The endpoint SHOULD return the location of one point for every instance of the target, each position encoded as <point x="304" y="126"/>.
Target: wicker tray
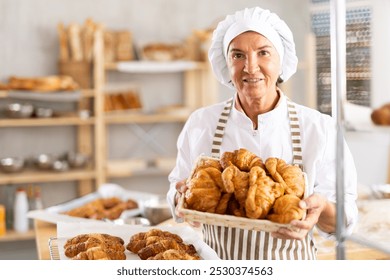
<point x="230" y="220"/>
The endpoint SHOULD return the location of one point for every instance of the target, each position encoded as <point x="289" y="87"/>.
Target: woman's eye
<point x="237" y="56"/>
<point x="263" y="53"/>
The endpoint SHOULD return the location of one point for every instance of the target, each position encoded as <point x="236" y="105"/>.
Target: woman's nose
<point x="251" y="65"/>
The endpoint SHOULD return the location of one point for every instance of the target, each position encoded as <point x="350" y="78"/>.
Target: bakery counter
<point x="326" y="248"/>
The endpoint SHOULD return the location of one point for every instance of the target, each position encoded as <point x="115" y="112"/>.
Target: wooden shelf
<point x="32" y="176"/>
<point x="11" y="235"/>
<point x="154" y="66"/>
<point x="145" y="118"/>
<point x="55" y="121"/>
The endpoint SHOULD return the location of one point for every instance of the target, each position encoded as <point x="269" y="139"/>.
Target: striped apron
<point x="241" y="244"/>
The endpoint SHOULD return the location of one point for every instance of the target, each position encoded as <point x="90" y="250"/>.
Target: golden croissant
<point x="204" y="190"/>
<point x="262" y="194"/>
<point x="286" y="209"/>
<point x="289" y="176"/>
<point x="242" y="158"/>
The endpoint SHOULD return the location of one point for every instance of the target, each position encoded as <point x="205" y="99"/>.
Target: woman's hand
<point x="318" y="211"/>
<point x="181" y="188"/>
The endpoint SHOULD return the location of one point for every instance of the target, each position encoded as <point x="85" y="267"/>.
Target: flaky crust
<point x="103" y="208"/>
<point x="289" y="176"/>
<point x="154" y="243"/>
<point x="94" y="246"/>
<point x="262" y="194"/>
<point x="286" y="209"/>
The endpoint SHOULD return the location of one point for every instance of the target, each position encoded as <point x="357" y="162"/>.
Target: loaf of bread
<point x="44" y="83"/>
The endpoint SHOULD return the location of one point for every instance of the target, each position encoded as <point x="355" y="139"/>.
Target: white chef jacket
<point x="271" y="139"/>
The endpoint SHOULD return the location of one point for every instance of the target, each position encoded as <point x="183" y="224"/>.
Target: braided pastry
<point x="95" y="246"/>
<point x="153" y="243"/>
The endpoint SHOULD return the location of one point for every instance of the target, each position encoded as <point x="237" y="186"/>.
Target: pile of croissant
<point x="154" y="244"/>
<point x="241" y="184"/>
<point x="103" y="208"/>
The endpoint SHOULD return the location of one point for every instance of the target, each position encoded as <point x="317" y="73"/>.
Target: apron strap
<point x="219" y="132"/>
<point x="295" y="134"/>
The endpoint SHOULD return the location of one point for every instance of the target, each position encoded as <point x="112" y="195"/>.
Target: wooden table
<point x="326" y="248"/>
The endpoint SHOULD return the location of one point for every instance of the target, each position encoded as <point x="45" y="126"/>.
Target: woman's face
<point x="254" y="64"/>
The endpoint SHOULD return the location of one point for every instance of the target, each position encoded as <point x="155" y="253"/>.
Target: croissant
<point x="205" y="162"/>
<point x="289" y="176"/>
<point x="163" y="245"/>
<point x="262" y="194"/>
<point x="141" y="239"/>
<point x="241" y="158"/>
<point x="203" y="193"/>
<point x="236" y="181"/>
<point x="286" y="209"/>
<point x="173" y="254"/>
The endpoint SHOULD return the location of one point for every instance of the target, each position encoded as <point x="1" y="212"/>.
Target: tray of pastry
<point x="97" y="241"/>
<point x="107" y="203"/>
<point x="240" y="190"/>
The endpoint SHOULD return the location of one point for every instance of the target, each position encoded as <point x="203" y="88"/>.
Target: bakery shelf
<point x="60" y="96"/>
<point x="146" y="118"/>
<point x="11" y="235"/>
<point x="32" y="176"/>
<point x="154" y="66"/>
<point x="55" y="121"/>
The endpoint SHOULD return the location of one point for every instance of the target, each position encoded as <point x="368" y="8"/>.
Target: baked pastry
<point x="262" y="193"/>
<point x="241" y="158"/>
<point x="45" y="83"/>
<point x="103" y="208"/>
<point x="154" y="243"/>
<point x="237" y="182"/>
<point x="289" y="176"/>
<point x="162" y="245"/>
<point x="286" y="209"/>
<point x="381" y="115"/>
<point x="173" y="254"/>
<point x="204" y="190"/>
<point x="95" y="246"/>
<point x="140" y="240"/>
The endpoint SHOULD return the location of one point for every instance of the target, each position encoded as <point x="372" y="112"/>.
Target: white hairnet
<point x="261" y="21"/>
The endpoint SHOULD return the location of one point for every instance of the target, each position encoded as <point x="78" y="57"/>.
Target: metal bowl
<point x="44" y="161"/>
<point x="12" y="164"/>
<point x="19" y="110"/>
<point x="157" y="210"/>
<point x="42" y="112"/>
<point x="139" y="221"/>
<point x="77" y="160"/>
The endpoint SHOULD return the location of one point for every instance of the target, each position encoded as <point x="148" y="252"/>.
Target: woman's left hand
<point x="314" y="205"/>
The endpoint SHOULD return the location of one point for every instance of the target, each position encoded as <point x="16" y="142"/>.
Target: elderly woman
<point x="252" y="51"/>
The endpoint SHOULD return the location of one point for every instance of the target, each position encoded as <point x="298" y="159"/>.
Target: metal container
<point x="44" y="161"/>
<point x="19" y="110"/>
<point x="157" y="210"/>
<point x="41" y="112"/>
<point x="77" y="160"/>
<point x="12" y="164"/>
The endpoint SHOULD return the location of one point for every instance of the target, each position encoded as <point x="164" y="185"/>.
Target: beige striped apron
<point x="240" y="244"/>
